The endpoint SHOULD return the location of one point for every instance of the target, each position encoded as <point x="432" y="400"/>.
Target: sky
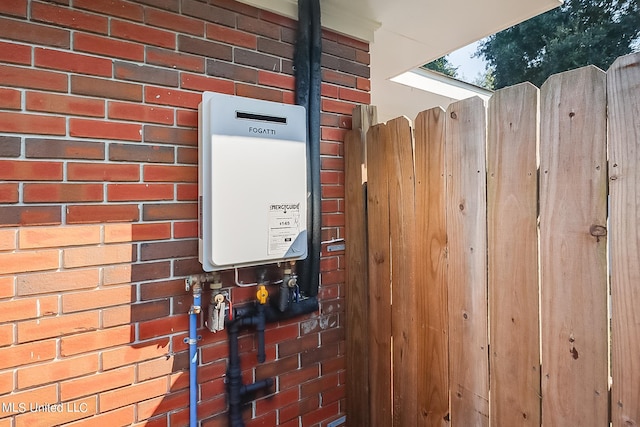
<point x="468" y="66"/>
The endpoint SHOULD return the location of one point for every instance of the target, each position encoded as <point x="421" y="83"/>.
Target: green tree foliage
<point x="578" y="33"/>
<point x="442" y="65"/>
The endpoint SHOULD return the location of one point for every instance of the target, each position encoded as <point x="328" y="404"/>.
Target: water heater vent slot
<point x="260" y="117"/>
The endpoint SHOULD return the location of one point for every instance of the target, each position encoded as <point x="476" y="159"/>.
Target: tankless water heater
<point x="252" y="184"/>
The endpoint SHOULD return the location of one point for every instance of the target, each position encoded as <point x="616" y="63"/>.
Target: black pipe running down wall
<point x="308" y="73"/>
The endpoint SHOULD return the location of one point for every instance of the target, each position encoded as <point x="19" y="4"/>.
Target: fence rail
<point x="484" y="255"/>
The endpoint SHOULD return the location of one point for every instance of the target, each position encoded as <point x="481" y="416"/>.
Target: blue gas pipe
<point x="193" y="354"/>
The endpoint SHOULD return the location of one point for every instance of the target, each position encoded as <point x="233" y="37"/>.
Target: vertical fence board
<point x="512" y="214"/>
<point x="363" y="117"/>
<point x="573" y="182"/>
<point x="431" y="269"/>
<point x="623" y="87"/>
<point x="403" y="279"/>
<point x="466" y="231"/>
<point x="378" y="150"/>
<point x="357" y="296"/>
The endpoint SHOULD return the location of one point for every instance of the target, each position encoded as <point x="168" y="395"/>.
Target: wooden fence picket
<point x="623" y="89"/>
<point x="573" y="264"/>
<point x="378" y="142"/>
<point x="512" y="202"/>
<point x="431" y="270"/>
<point x="465" y="127"/>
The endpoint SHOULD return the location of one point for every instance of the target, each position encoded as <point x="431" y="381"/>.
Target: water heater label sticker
<point x="284" y="226"/>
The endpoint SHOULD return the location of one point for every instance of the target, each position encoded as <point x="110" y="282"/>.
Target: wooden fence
<point x="493" y="259"/>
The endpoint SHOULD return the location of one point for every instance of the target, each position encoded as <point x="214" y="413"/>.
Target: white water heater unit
<point x="252" y="182"/>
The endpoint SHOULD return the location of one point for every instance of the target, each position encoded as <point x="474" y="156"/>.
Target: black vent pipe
<point x="308" y="73"/>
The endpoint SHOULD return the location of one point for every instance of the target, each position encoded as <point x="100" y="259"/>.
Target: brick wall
<point x="98" y="212"/>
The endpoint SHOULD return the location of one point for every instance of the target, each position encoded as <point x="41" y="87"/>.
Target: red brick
<point x="9" y="193"/>
<point x="187" y="155"/>
<point x="329" y="91"/>
<point x="57" y="281"/>
<point x="240" y="8"/>
<point x="68" y="18"/>
<point x="187" y="118"/>
<point x="363" y="84"/>
<point x="86" y="128"/>
<point x="183" y="230"/>
<point x="98" y="255"/>
<point x="72" y="62"/>
<point x="15" y="53"/>
<point x="333" y="134"/>
<point x="96" y="383"/>
<point x="106" y="46"/>
<point x="35" y="418"/>
<point x="34" y="33"/>
<point x="164" y="404"/>
<point x="57" y="370"/>
<point x="172" y="211"/>
<point x="116" y="274"/>
<point x="30" y="215"/>
<point x="25" y="354"/>
<point x="6" y="386"/>
<point x="171" y="249"/>
<point x="143" y="33"/>
<point x="141" y="153"/>
<point x="256" y="26"/>
<point x="140" y="113"/>
<point x="28" y="308"/>
<point x="145" y="74"/>
<point x="172" y="59"/>
<point x="202" y="83"/>
<point x="299" y="408"/>
<point x="7" y="243"/>
<point x="330" y="148"/>
<point x="10" y="99"/>
<point x="7" y="287"/>
<point x="97" y="298"/>
<point x="132" y="192"/>
<point x="204" y="48"/>
<point x="160" y="327"/>
<point x="102" y="172"/>
<point x="64" y="104"/>
<point x="337" y="106"/>
<point x="355" y="96"/>
<point x="126" y="355"/>
<point x="332" y="163"/>
<point x="174" y="22"/>
<point x="33" y="79"/>
<point x="230" y="71"/>
<point x="47" y="193"/>
<point x="338" y="78"/>
<point x="136" y="232"/>
<point x="258" y="92"/>
<point x="118" y="417"/>
<point x="84" y="214"/>
<point x="20" y="170"/>
<point x="161" y="173"/>
<point x="187" y="192"/>
<point x="49" y="327"/>
<point x="319" y="385"/>
<point x="277" y="19"/>
<point x="43" y="394"/>
<point x="281" y="81"/>
<point x="102" y="88"/>
<point x="15" y="8"/>
<point x="364" y="46"/>
<point x="63" y="149"/>
<point x="32" y="123"/>
<point x="321" y="414"/>
<point x="231" y="36"/>
<point x="96" y="340"/>
<point x="117" y="8"/>
<point x="168" y="288"/>
<point x="19" y="262"/>
<point x="168" y="135"/>
<point x="209" y="13"/>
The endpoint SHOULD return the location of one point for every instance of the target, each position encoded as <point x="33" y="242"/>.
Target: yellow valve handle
<point x="262" y="294"/>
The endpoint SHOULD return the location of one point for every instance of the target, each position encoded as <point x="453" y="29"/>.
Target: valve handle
<point x="262" y="294"/>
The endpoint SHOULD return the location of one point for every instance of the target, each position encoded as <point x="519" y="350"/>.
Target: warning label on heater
<point x="284" y="227"/>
